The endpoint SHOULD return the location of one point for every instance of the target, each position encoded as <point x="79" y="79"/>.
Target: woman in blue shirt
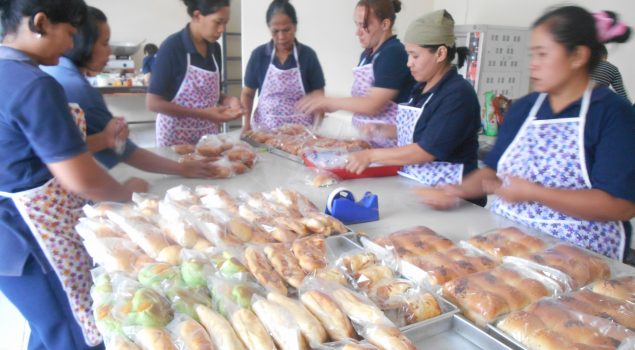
<point x="88" y="57"/>
<point x="564" y="160"/>
<point x="185" y="88"/>
<point x="437" y="131"/>
<point x="282" y="71"/>
<point x="381" y="80"/>
<point x="46" y="175"/>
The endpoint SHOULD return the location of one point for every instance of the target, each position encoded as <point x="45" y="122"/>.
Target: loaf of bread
<point x="622" y="288"/>
<point x="220" y="330"/>
<point x="582" y="267"/>
<point x="280" y="324"/>
<point x="332" y="274"/>
<point x="599" y="305"/>
<point x="309" y="325"/>
<point x="262" y="270"/>
<point x="360" y="309"/>
<point x="285" y="264"/>
<point x="356" y="262"/>
<point x="389" y="338"/>
<point x="370" y="276"/>
<point x="310" y="252"/>
<point x="335" y="322"/>
<point x="507" y="242"/>
<point x="416" y="241"/>
<point x="251" y="331"/>
<point x="193" y="336"/>
<point x="451" y="264"/>
<point x="154" y="338"/>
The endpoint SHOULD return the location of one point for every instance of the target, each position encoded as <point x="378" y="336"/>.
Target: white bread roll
<point x="171" y="255"/>
<point x="280" y="324"/>
<point x="309" y="325"/>
<point x="389" y="338"/>
<point x="194" y="336"/>
<point x="359" y="310"/>
<point x="121" y="343"/>
<point x="251" y="331"/>
<point x="335" y="322"/>
<point x="223" y="335"/>
<point x="154" y="339"/>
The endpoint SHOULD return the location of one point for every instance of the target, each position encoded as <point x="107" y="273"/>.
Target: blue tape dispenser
<point x="341" y="204"/>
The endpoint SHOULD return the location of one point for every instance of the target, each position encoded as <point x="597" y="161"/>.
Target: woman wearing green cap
<point x="437" y="131"/>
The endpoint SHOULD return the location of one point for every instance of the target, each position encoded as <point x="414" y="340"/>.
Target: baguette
<point x="335" y="322"/>
<point x="309" y="325"/>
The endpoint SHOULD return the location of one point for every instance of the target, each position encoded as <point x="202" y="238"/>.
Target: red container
<point x="372" y="171"/>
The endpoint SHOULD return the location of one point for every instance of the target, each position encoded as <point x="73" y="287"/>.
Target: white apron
<point x="280" y="92"/>
<point x="51" y="213"/>
<point x="430" y="174"/>
<point x="551" y="153"/>
<point x="200" y="89"/>
<point x="363" y="81"/>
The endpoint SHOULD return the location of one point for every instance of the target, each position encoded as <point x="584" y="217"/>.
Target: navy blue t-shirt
<point x="146" y="67"/>
<point x="310" y="68"/>
<point x="36" y="128"/>
<point x="609" y="139"/>
<point x="79" y="90"/>
<point x="390" y="67"/>
<point x="170" y="63"/>
<point x="449" y="124"/>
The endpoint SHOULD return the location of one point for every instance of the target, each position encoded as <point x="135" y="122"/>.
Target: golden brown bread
<point x="389" y="338"/>
<point x="311" y="253"/>
<point x="359" y="309"/>
<point x="251" y="331"/>
<point x="370" y="276"/>
<point x="220" y="330"/>
<point x="154" y="338"/>
<point x="262" y="270"/>
<point x="335" y="322"/>
<point x="507" y="242"/>
<point x="309" y="325"/>
<point x="620" y="311"/>
<point x="194" y="336"/>
<point x="582" y="267"/>
<point x="445" y="266"/>
<point x="280" y="324"/>
<point x="354" y="263"/>
<point x="285" y="263"/>
<point x="622" y="288"/>
<point x="421" y="306"/>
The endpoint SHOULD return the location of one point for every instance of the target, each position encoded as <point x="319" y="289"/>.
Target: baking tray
<point x="255" y="144"/>
<point x="450" y="332"/>
<point x="286" y="155"/>
<point x="505" y="338"/>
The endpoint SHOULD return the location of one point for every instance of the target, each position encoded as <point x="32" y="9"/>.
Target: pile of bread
<point x="227" y="156"/>
<point x="295" y="139"/>
<point x="601" y="316"/>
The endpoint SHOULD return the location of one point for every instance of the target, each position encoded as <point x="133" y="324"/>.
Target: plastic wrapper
<point x="310" y="326"/>
<point x="116" y="254"/>
<point x="120" y="342"/>
<point x="158" y="274"/>
<point x="243" y="153"/>
<point x="320" y="178"/>
<point x="414" y="242"/>
<point x="188" y="334"/>
<point x="621" y="288"/>
<point x="310" y="252"/>
<point x="153" y="338"/>
<point x="146" y="203"/>
<point x="148" y="308"/>
<point x="485" y="296"/>
<point x="170" y="255"/>
<point x="101" y="290"/>
<point x="598" y="305"/>
<point x="183" y="149"/>
<point x="250" y="330"/>
<point x="97" y="227"/>
<point x="332" y="274"/>
<point x="213" y="226"/>
<point x="195" y="157"/>
<point x="212" y="145"/>
<point x="261" y="269"/>
<point x="230" y="295"/>
<point x="346" y="345"/>
<point x="285" y="263"/>
<point x="280" y="324"/>
<point x="220" y="330"/>
<point x="98" y="210"/>
<point x="196" y="269"/>
<point x="229" y="264"/>
<point x="548" y="324"/>
<point x="328" y="159"/>
<point x="508" y="241"/>
<point x="367" y="269"/>
<point x="183" y="196"/>
<point x="213" y="197"/>
<point x="579" y="267"/>
<point x="178" y="224"/>
<point x="292" y="200"/>
<point x="184" y="299"/>
<point x="140" y="230"/>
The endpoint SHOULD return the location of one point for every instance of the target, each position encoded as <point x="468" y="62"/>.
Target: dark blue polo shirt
<point x="310" y="68"/>
<point x="449" y="124"/>
<point x="170" y="63"/>
<point x="146" y="67"/>
<point x="390" y="68"/>
<point x="79" y="90"/>
<point x="36" y="128"/>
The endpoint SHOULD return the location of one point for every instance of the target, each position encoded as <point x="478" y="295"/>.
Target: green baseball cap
<point x="434" y="28"/>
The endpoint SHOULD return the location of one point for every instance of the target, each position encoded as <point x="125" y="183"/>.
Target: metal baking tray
<point x="255" y="144"/>
<point x="451" y="331"/>
<point x="339" y="245"/>
<point x="505" y="338"/>
<point x="286" y="155"/>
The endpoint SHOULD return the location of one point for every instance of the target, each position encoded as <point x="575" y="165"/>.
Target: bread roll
<point x="201" y="244"/>
<point x="521" y="325"/>
<point x="370" y="276"/>
<point x="154" y="339"/>
<point x="311" y="253"/>
<point x="223" y="335"/>
<point x="285" y="263"/>
<point x="332" y="274"/>
<point x="121" y="343"/>
<point x="582" y="267"/>
<point x="262" y="270"/>
<point x="280" y="324"/>
<point x="170" y="255"/>
<point x="335" y="322"/>
<point x="620" y="311"/>
<point x="389" y="338"/>
<point x="183" y="149"/>
<point x="421" y="306"/>
<point x="358" y="309"/>
<point x="251" y="331"/>
<point x="622" y="288"/>
<point x="194" y="336"/>
<point x="354" y="263"/>
<point x="309" y="325"/>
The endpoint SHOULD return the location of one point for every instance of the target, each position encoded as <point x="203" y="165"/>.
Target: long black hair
<point x="57" y="11"/>
<point x="284" y="7"/>
<point x="573" y="26"/>
<point x="86" y="37"/>
<point x="205" y="7"/>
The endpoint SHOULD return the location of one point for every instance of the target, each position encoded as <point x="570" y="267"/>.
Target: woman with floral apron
<point x="564" y="160"/>
<point x="437" y="129"/>
<point x="44" y="166"/>
<point x="282" y="71"/>
<point x="380" y="81"/>
<point x="185" y="87"/>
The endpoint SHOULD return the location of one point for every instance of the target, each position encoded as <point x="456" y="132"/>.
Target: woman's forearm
<point x="591" y="204"/>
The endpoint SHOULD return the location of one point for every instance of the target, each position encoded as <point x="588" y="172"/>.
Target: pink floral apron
<point x="363" y="80"/>
<point x="51" y="212"/>
<point x="551" y="153"/>
<point x="200" y="89"/>
<point x="430" y="174"/>
<point x="281" y="90"/>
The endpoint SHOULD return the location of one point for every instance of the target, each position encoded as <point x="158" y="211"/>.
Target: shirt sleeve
<point x="163" y="81"/>
<point x="252" y="79"/>
<point x="45" y="119"/>
<point x="450" y="124"/>
<point x="390" y="69"/>
<point x="313" y="74"/>
<point x="614" y="171"/>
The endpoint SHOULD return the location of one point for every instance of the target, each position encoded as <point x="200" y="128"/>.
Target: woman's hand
<point x="440" y="198"/>
<point x="232" y="102"/>
<point x="314" y="104"/>
<point x="135" y="184"/>
<point x="198" y="169"/>
<point x="116" y="129"/>
<point x="223" y="114"/>
<point x="513" y="189"/>
<point x="357" y="162"/>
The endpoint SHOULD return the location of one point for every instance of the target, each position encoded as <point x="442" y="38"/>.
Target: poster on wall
<point x="473" y="62"/>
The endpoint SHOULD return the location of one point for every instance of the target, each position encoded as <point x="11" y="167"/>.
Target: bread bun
<point x="262" y="270"/>
<point x="311" y="253"/>
<point x="280" y="324"/>
<point x="332" y="274"/>
<point x="309" y="325"/>
<point x="358" y="309"/>
<point x="622" y="288"/>
<point x="421" y="306"/>
<point x="389" y="338"/>
<point x="154" y="338"/>
<point x="183" y="149"/>
<point x="335" y="322"/>
<point x="354" y="263"/>
<point x="221" y="332"/>
<point x="251" y="331"/>
<point x="370" y="276"/>
<point x="194" y="336"/>
<point x="285" y="264"/>
<point x="170" y="255"/>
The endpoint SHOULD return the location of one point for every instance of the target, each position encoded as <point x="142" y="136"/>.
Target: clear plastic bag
<point x="509" y="241"/>
<point x="187" y="333"/>
<point x="263" y="271"/>
<point x="146" y="203"/>
<point x="414" y="242"/>
<point x="220" y="330"/>
<point x="285" y="263"/>
<point x="280" y="324"/>
<point x="116" y="254"/>
<point x="621" y="288"/>
<point x="98" y="227"/>
<point x="141" y="230"/>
